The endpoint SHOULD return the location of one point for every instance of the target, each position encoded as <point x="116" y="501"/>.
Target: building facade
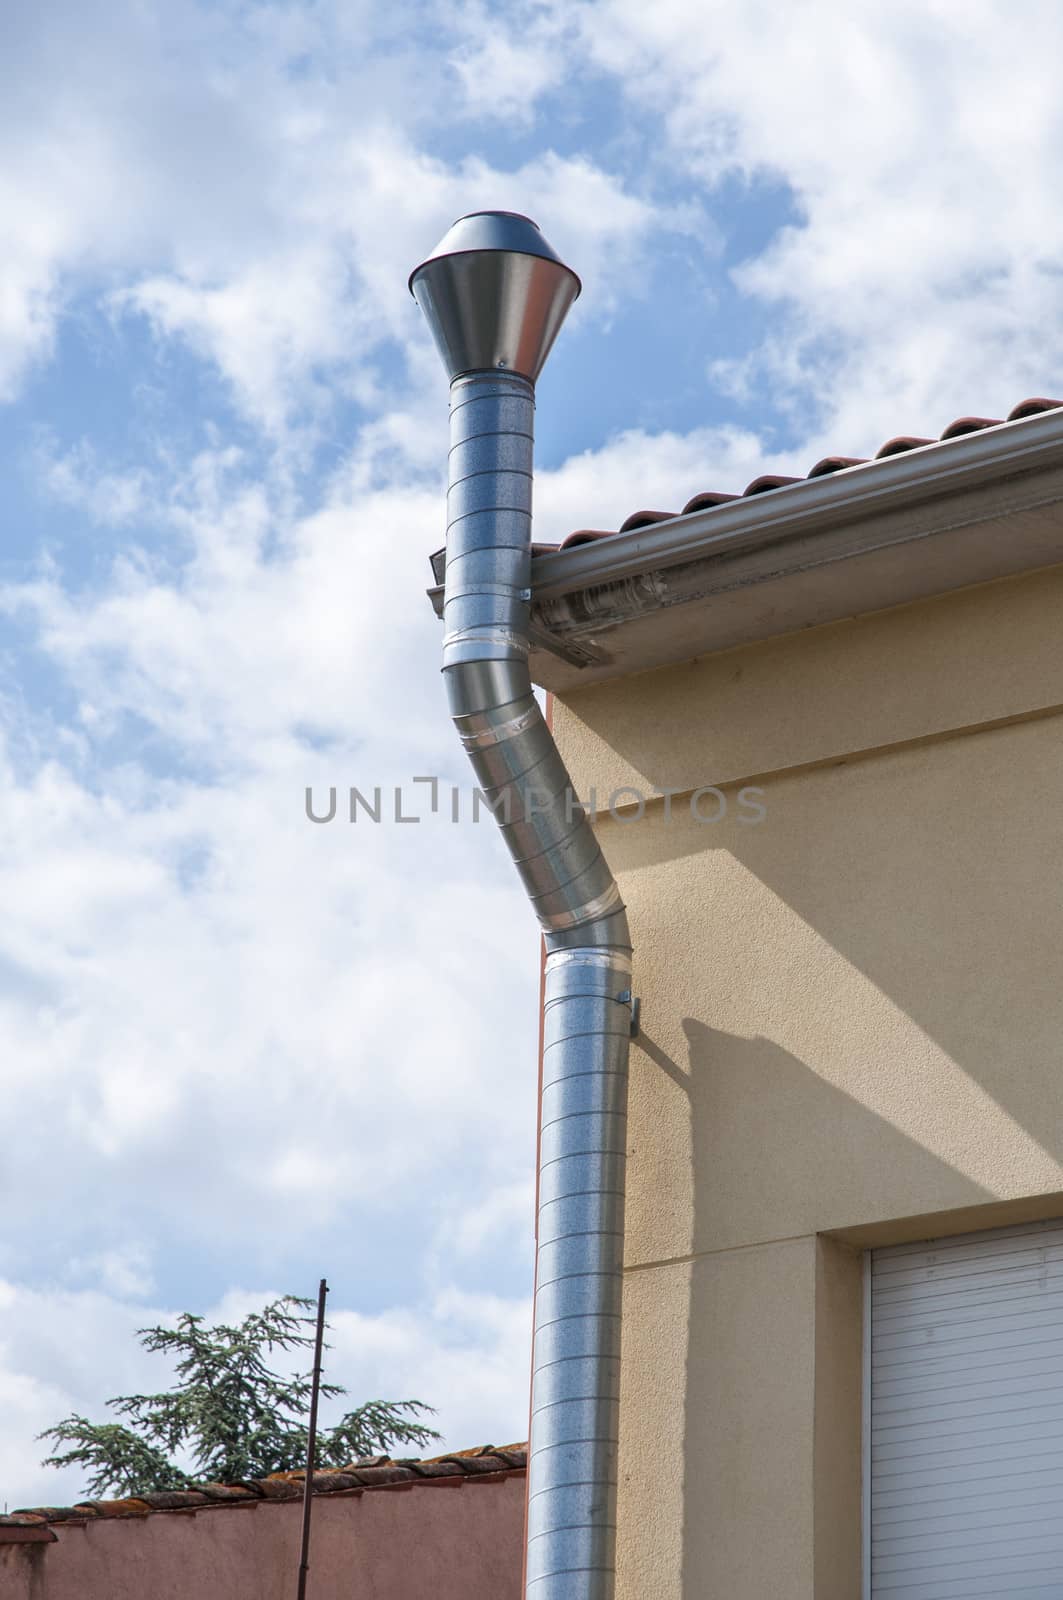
<point x="822" y="732"/>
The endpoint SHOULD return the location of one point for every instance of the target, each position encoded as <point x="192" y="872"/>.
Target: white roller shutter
<point x="966" y="1417"/>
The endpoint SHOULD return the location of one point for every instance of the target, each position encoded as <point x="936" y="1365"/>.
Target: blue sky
<point x="238" y="1051"/>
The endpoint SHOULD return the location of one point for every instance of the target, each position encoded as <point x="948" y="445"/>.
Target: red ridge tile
<point x="582" y="536"/>
<point x="835" y="464"/>
<point x="962" y="425"/>
<point x="707" y="501"/>
<point x="1032" y="408"/>
<point x="768" y="481"/>
<point x="902" y="442"/>
<point x="645" y="519"/>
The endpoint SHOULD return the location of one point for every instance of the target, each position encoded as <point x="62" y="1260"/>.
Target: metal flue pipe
<point x="495" y="295"/>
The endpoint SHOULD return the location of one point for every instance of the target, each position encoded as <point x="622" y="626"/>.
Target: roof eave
<point x="796" y="556"/>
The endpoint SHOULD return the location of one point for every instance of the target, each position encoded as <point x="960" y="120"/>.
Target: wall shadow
<point x="937" y="872"/>
<point x="739" y="1301"/>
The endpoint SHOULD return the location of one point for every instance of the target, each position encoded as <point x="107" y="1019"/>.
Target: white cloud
<point x="331" y="286"/>
<point x="62" y="1350"/>
<point x="637" y="470"/>
<point x="124" y="1272"/>
<point x="203" y="993"/>
<point x="921" y="278"/>
<point x="76" y="478"/>
<point x="468" y="1354"/>
<point x="505" y="1217"/>
<point x="506" y="63"/>
<point x="260" y="183"/>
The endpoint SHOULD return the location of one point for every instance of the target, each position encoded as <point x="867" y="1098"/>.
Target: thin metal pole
<point x="311" y="1441"/>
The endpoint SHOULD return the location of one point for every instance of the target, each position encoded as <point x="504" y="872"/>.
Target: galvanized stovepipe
<point x="495" y="295"/>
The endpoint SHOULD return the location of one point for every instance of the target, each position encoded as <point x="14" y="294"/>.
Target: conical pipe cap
<point x="495" y="294"/>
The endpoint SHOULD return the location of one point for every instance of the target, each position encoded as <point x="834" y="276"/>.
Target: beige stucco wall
<point x="852" y="1017"/>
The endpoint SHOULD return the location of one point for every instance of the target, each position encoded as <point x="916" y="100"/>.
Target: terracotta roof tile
<point x="835" y="464"/>
<point x="25" y="1530"/>
<point x="768" y="480"/>
<point x="280" y="1486"/>
<point x="645" y="519"/>
<point x="962" y="425"/>
<point x="1032" y="408"/>
<point x="227" y="1493"/>
<point x="371" y="1477"/>
<point x="434" y="1469"/>
<point x="705" y="501"/>
<point x="130" y="1507"/>
<point x="581" y="536"/>
<point x="45" y="1514"/>
<point x="902" y="442"/>
<point x="334" y="1482"/>
<point x="368" y="1473"/>
<point x="473" y="1464"/>
<point x="174" y="1499"/>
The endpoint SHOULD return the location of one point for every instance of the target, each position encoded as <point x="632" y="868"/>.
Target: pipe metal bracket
<point x="628" y="999"/>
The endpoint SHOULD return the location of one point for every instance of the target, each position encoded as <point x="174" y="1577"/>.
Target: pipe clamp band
<point x="498" y="732"/>
<point x="602" y="903"/>
<point x="477" y="634"/>
<point x="606" y="960"/>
